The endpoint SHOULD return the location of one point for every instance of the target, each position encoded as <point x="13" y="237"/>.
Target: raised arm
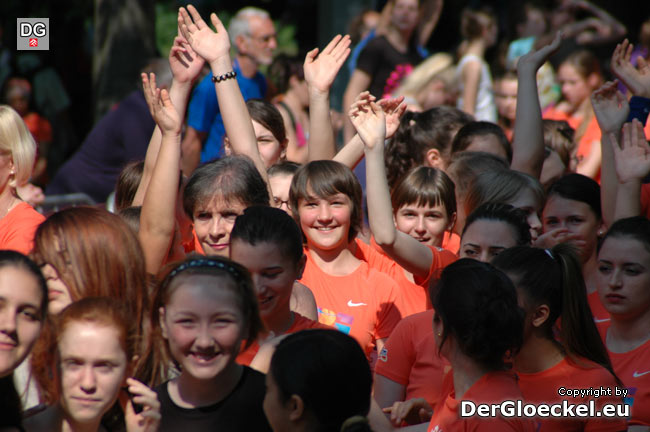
<point x="528" y="140"/>
<point x="157" y="220"/>
<point x="632" y="165"/>
<point x="214" y="47"/>
<point x="320" y="72"/>
<point x="607" y="28"/>
<point x="186" y="66"/>
<point x="611" y="109"/>
<point x="352" y="153"/>
<point x="636" y="79"/>
<point x="368" y="119"/>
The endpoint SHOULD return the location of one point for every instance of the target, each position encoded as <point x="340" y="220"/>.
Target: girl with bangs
<point x="351" y="295"/>
<point x="408" y="225"/>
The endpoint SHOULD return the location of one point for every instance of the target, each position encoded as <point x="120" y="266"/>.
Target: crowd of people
<point x="470" y="243"/>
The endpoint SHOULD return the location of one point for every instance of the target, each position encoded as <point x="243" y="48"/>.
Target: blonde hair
<point x="16" y="139"/>
<point x="438" y="66"/>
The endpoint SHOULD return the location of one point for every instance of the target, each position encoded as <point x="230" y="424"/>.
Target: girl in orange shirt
<point x="579" y="75"/>
<point x="268" y="243"/>
<point x="551" y="287"/>
<point x="476" y="325"/>
<point x="623" y="285"/>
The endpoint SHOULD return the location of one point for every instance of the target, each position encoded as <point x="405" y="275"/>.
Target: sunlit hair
<point x="283" y="168"/>
<point x="227" y="274"/>
<point x="477" y="305"/>
<point x="502" y="186"/>
<point x="553" y="277"/>
<point x="419" y="132"/>
<point x="323" y="179"/>
<point x="95" y="254"/>
<point x="103" y="312"/>
<point x="425" y="186"/>
<point x="328" y="370"/>
<point x="16" y="142"/>
<point x="436" y="66"/>
<point x="283" y="68"/>
<point x="127" y="184"/>
<point x="465" y="166"/>
<point x="231" y="179"/>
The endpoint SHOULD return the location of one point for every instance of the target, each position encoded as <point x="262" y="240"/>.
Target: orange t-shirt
<point x="451" y="242"/>
<point x="413" y="294"/>
<point x="361" y="304"/>
<point x="18" y="227"/>
<point x="493" y="387"/>
<point x="246" y="356"/>
<point x="633" y="369"/>
<point x="543" y="387"/>
<point x="598" y="311"/>
<point x="410" y="358"/>
<point x="592" y="133"/>
<point x="645" y="199"/>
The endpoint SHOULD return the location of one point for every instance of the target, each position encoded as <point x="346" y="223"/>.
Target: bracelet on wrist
<point x="224" y="77"/>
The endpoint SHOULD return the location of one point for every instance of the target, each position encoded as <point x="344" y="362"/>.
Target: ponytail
<point x="554" y="277"/>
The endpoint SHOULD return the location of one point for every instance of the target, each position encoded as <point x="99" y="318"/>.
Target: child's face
<point x="505" y="96"/>
<point x="268" y="145"/>
<point x="326" y="221"/>
<point x="484" y="239"/>
<point x="272" y="272"/>
<point x="203" y="325"/>
<point x="93" y="368"/>
<point x="427" y="224"/>
<point x="575" y="88"/>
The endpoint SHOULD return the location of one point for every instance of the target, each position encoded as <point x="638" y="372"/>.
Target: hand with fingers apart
<point x="321" y="68"/>
<point x="412" y="411"/>
<point x="184" y="62"/>
<point x="369" y="121"/>
<point x="146" y="401"/>
<point x="535" y="59"/>
<point x="161" y="107"/>
<point x="209" y="44"/>
<point x="611" y="107"/>
<point x="632" y="157"/>
<point x="636" y="79"/>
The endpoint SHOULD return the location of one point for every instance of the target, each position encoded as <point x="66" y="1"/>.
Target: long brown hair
<point x="95" y="254"/>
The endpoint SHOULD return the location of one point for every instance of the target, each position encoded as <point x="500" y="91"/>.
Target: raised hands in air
<point x="636" y="79"/>
<point x="160" y="106"/>
<point x="208" y="43"/>
<point x="632" y="156"/>
<point x="611" y="107"/>
<point x="321" y="68"/>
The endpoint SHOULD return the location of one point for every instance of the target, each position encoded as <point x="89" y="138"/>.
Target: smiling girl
<point x="202" y="312"/>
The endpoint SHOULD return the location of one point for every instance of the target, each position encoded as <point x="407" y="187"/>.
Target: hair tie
<point x="352" y="421"/>
<point x="202" y="262"/>
<point x="549" y="253"/>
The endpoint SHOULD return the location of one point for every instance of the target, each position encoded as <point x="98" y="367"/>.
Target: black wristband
<point x="226" y="76"/>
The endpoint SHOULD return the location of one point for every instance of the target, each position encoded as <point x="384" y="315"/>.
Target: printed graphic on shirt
<point x="340" y="321"/>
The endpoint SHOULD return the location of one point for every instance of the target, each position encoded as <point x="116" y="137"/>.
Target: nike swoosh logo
<point x="350" y="304"/>
<point x="601" y="320"/>
<point x="637" y="375"/>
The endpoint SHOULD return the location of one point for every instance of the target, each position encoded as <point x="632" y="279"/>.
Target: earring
<point x="439" y="334"/>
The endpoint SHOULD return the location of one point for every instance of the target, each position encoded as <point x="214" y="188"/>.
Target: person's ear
<point x="602" y="229"/>
<point x="433" y="159"/>
<point x="12" y="174"/>
<point x="540" y="315"/>
<point x="227" y="149"/>
<point x="296" y="408"/>
<point x="241" y="43"/>
<point x="452" y="222"/>
<point x="161" y="322"/>
<point x="593" y="80"/>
